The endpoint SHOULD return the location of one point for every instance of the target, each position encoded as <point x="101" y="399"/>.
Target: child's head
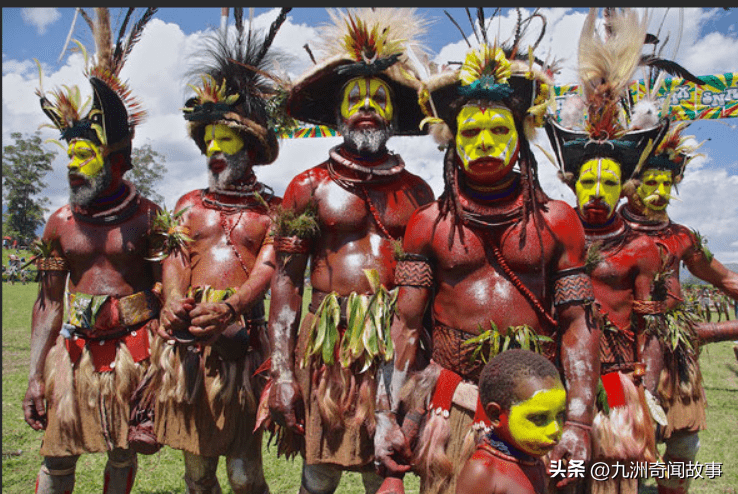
<point x="522" y="393"/>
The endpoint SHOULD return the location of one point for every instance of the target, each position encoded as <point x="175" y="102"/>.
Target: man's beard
<point x="85" y="194"/>
<point x="365" y="141"/>
<point x="236" y="167"/>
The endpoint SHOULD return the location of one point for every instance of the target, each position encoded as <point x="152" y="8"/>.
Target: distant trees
<point x="148" y="170"/>
<point x="25" y="164"/>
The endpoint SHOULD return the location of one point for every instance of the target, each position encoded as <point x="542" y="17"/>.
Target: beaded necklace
<point x="391" y="165"/>
<point x="224" y="209"/>
<point x="116" y="211"/>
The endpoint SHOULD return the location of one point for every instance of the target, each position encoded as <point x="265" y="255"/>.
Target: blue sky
<point x="708" y="44"/>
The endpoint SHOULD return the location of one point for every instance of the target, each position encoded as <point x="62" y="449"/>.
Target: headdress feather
<point x="114" y="130"/>
<point x="235" y="83"/>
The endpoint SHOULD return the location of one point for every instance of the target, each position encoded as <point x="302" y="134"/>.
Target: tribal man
<point x="324" y="371"/>
<point x="498" y="255"/>
<point x="594" y="163"/>
<point x="96" y="308"/>
<point x="673" y="373"/>
<point x="216" y="274"/>
<point x="622" y="266"/>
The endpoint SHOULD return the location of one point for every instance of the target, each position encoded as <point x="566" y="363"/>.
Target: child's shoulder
<point x="488" y="471"/>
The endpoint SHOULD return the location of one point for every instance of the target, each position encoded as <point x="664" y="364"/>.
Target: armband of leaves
<point x="293" y="231"/>
<point x="167" y="234"/>
<point x="701" y="245"/>
<point x="42" y="256"/>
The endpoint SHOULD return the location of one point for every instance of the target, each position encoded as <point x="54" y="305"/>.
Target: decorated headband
<point x="511" y="76"/>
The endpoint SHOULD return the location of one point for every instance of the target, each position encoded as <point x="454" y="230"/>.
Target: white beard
<point x="237" y="165"/>
<point x="84" y="195"/>
<point x="367" y="141"/>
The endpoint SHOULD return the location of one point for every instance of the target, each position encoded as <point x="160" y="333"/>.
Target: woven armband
<point x="573" y="286"/>
<point x="291" y="245"/>
<point x="52" y="264"/>
<point x="649" y="307"/>
<point x="414" y="271"/>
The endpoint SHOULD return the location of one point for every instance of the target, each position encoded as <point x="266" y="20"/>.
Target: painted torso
<point x="105" y="259"/>
<point x="502" y="474"/>
<point x="624" y="272"/>
<point x="350" y="237"/>
<point x="471" y="287"/>
<point x="220" y="236"/>
<point x="676" y="241"/>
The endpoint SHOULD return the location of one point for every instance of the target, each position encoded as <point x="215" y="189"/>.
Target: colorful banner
<point x="717" y="98"/>
<point x="308" y="132"/>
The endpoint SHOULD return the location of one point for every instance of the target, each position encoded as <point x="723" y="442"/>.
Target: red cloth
<point x="614" y="389"/>
<point x="445" y="388"/>
<point x="103" y="351"/>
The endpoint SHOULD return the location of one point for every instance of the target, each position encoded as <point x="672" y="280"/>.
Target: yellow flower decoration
<point x="212" y="92"/>
<point x="485" y="62"/>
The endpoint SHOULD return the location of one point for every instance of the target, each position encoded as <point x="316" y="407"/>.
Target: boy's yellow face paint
<point x="85" y="157"/>
<point x="599" y="178"/>
<point x="486" y="132"/>
<point x="220" y="138"/>
<point x="366" y="92"/>
<point x="655" y="189"/>
<point x="535" y="424"/>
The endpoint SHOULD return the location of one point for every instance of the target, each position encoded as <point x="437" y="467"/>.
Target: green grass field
<point x="162" y="473"/>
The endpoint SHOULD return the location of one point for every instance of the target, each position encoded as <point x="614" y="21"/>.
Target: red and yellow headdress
<point x="376" y="42"/>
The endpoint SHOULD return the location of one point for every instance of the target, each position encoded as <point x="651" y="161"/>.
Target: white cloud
<point x="40" y="17"/>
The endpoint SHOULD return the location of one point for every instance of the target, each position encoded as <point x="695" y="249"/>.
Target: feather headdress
<point x="235" y="84"/>
<point x="509" y="74"/>
<point x="674" y="152"/>
<point x="114" y="112"/>
<point x="606" y="68"/>
<point x="371" y="42"/>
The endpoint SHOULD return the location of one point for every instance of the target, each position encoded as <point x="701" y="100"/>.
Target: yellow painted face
<point x="365" y="93"/>
<point x="486" y="140"/>
<point x="85" y="157"/>
<point x="655" y="189"/>
<point x="534" y="425"/>
<point x="220" y="138"/>
<point x="599" y="183"/>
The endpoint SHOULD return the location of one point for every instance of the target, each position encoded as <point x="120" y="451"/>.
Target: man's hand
<point x="575" y="444"/>
<point x="209" y="319"/>
<point x="175" y="316"/>
<point x="392" y="453"/>
<point x="286" y="406"/>
<point x="34" y="404"/>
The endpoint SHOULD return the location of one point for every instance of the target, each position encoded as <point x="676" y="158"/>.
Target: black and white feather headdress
<point x="235" y="84"/>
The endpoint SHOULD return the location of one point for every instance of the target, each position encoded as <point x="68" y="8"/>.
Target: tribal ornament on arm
<point x="573" y="286"/>
<point x="414" y="270"/>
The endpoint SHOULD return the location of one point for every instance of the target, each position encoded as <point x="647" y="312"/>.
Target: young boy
<point x="525" y="400"/>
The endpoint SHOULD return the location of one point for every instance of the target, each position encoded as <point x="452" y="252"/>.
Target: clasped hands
<point x="203" y="322"/>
